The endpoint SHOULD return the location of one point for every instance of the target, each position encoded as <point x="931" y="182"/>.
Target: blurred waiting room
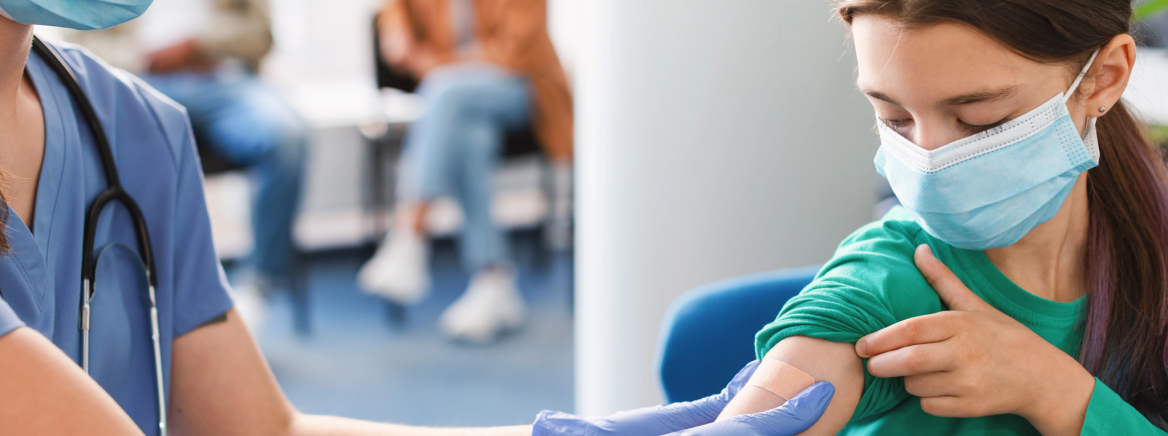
<point x="301" y="121"/>
<point x="434" y="212"/>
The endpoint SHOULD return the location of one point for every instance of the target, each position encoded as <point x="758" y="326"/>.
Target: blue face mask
<point x="990" y="189"/>
<point x="74" y="14"/>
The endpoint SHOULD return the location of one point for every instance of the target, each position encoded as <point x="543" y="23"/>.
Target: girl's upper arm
<point x="835" y="362"/>
<point x="43" y="392"/>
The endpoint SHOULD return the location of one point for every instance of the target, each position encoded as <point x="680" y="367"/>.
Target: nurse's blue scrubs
<point x="40" y="279"/>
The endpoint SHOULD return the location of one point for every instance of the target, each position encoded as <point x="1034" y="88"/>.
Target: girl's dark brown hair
<point x="1124" y="334"/>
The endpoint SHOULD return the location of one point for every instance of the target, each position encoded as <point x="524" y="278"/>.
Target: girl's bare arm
<point x="836" y="362"/>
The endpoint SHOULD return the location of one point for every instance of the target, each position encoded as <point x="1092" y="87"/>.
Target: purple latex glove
<point x="649" y="421"/>
<point x="792" y="418"/>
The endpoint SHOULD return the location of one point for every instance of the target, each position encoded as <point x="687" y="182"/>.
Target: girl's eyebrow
<point x="878" y="95"/>
<point x="982" y="96"/>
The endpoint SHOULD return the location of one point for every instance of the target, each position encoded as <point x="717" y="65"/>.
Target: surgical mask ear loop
<point x="1092" y="144"/>
<point x="1079" y="79"/>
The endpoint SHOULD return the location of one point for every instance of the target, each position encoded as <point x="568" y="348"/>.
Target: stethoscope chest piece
<point x="118" y="306"/>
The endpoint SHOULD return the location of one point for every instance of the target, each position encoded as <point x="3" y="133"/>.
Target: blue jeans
<point x="247" y="123"/>
<point x="454" y="148"/>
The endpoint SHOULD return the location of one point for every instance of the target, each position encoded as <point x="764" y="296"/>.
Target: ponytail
<point x="1125" y="340"/>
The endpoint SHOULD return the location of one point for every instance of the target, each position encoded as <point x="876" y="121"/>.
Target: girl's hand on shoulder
<point x="973" y="360"/>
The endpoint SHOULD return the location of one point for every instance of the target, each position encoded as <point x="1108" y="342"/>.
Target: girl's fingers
<point x="923" y="329"/>
<point x="912" y="360"/>
<point x="934" y="384"/>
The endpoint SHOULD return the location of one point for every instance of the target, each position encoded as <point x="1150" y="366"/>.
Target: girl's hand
<point x="973" y="360"/>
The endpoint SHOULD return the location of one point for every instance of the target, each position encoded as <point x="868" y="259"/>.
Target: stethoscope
<point x="113" y="192"/>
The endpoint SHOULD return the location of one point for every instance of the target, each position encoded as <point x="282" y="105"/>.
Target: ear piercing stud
<point x="1102" y="109"/>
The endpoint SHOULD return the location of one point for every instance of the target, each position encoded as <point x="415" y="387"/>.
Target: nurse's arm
<point x="835" y="362"/>
<point x="220" y="384"/>
<point x="43" y="392"/>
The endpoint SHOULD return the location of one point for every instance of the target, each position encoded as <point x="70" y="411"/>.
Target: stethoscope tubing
<point x="113" y="192"/>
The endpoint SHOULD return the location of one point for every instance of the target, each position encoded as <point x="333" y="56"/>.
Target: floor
<point x="355" y="362"/>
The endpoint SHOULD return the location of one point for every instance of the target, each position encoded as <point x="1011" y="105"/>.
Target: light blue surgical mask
<point x="990" y="189"/>
<point x="74" y="14"/>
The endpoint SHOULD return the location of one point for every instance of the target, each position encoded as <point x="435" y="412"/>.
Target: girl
<point x="1003" y="135"/>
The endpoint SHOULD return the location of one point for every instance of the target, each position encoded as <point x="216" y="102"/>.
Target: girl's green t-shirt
<point x="872" y="283"/>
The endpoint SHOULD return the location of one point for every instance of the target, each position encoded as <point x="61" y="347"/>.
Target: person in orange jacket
<point x="485" y="67"/>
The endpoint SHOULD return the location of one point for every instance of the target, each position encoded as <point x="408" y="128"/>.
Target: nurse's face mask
<point x="990" y="189"/>
<point x="74" y="14"/>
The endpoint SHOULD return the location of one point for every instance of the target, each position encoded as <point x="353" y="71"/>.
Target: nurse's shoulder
<point x="127" y="103"/>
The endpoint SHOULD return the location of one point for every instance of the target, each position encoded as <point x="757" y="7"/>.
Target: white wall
<point x="564" y="28"/>
<point x="715" y="138"/>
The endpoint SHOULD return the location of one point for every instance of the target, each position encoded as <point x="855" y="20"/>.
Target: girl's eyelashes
<point x="897" y="122"/>
<point x="974" y="128"/>
<point x="969" y="129"/>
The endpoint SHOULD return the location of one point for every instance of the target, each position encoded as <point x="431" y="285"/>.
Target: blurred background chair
<point x="708" y="331"/>
<point x="215" y="165"/>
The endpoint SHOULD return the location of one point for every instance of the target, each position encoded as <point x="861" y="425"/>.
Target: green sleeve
<point x="870" y="283"/>
<point x="1108" y="414"/>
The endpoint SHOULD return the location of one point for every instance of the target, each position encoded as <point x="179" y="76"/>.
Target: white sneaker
<point x="490" y="307"/>
<point x="398" y="271"/>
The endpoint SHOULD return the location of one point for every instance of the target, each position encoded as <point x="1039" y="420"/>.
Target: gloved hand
<point x="650" y="421"/>
<point x="792" y="418"/>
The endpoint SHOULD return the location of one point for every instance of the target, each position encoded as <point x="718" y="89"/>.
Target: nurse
<point x="194" y="368"/>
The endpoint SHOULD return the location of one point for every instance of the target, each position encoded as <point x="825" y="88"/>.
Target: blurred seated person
<point x="485" y="67"/>
<point x="205" y="54"/>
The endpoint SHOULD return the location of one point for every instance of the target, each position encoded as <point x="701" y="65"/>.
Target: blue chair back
<point x="708" y="334"/>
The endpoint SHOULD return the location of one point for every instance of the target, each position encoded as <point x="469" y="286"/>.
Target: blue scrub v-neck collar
<point x="27" y="252"/>
<point x="56" y="107"/>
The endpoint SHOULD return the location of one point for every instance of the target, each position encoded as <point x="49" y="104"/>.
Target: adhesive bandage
<point x="774" y="382"/>
<point x="780" y="378"/>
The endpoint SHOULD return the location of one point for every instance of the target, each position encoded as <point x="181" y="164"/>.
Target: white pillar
<point x="715" y="138"/>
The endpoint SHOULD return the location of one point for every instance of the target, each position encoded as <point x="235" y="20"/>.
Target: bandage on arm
<point x="794" y="364"/>
<point x="778" y="382"/>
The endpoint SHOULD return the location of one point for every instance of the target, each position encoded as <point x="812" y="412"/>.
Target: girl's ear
<point x="1110" y="74"/>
